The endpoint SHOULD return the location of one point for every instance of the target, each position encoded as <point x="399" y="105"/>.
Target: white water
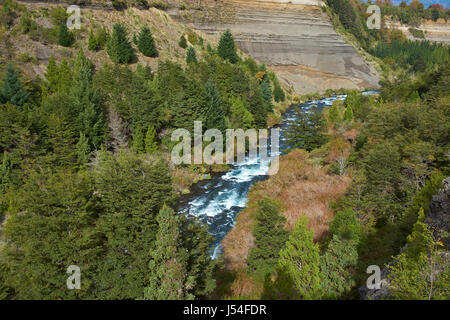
<point x="218" y="201"/>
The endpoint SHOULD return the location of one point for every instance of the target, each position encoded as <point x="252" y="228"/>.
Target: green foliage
<point x="215" y="116"/>
<point x="128" y="224"/>
<point x="146" y="43"/>
<point x="307" y="130"/>
<point x="300" y="260"/>
<point x="336" y="267"/>
<point x="12" y="89"/>
<point x="226" y="48"/>
<point x="191" y="56"/>
<point x="382" y="166"/>
<point x="65" y="37"/>
<point x="182" y="43"/>
<point x="150" y="140"/>
<point x="240" y="116"/>
<point x="334" y="115"/>
<point x="270" y="237"/>
<point x="420" y="272"/>
<point x="92" y="42"/>
<point x="118" y="47"/>
<point x="278" y="93"/>
<point x="86" y="102"/>
<point x="348" y="115"/>
<point x="138" y="140"/>
<point x="347" y="226"/>
<point x="102" y="37"/>
<point x="49" y="232"/>
<point x="83" y="149"/>
<point x="266" y="93"/>
<point x="168" y="264"/>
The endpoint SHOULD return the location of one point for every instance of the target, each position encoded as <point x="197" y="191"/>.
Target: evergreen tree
<point x="52" y="75"/>
<point x="51" y="226"/>
<point x="182" y="43"/>
<point x="150" y="140"/>
<point x="301" y="261"/>
<point x="83" y="149"/>
<point x="168" y="264"/>
<point x="278" y="93"/>
<point x="336" y="267"/>
<point x="86" y="102"/>
<point x="59" y="138"/>
<point x="347" y="226"/>
<point x="307" y="130"/>
<point x="419" y="272"/>
<point x="226" y="48"/>
<point x="12" y="89"/>
<point x="65" y="37"/>
<point x="382" y="166"/>
<point x="191" y="56"/>
<point x="138" y="140"/>
<point x="118" y="47"/>
<point x="146" y="43"/>
<point x="128" y="222"/>
<point x="333" y="115"/>
<point x="215" y="116"/>
<point x="5" y="172"/>
<point x="266" y="92"/>
<point x="92" y="42"/>
<point x="270" y="237"/>
<point x="240" y="117"/>
<point x="348" y="115"/>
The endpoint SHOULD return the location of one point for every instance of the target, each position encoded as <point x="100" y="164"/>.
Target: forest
<point x="86" y="179"/>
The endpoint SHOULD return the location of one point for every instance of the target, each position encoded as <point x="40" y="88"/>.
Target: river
<point x="217" y="201"/>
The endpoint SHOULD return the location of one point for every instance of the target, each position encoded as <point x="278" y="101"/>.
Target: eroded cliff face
<point x="438" y="31"/>
<point x="294" y="38"/>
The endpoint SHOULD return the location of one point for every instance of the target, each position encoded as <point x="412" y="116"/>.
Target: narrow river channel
<point x="217" y="201"/>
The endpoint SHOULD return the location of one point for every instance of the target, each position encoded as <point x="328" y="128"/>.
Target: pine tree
<point x="301" y="261"/>
<point x="278" y="92"/>
<point x="226" y="48"/>
<point x="168" y="264"/>
<point x="348" y="115"/>
<point x="146" y="43"/>
<point x="12" y="89"/>
<point x="52" y="75"/>
<point x="215" y="116"/>
<point x="65" y="37"/>
<point x="128" y="222"/>
<point x="86" y="102"/>
<point x="336" y="267"/>
<point x="182" y="43"/>
<point x="59" y="226"/>
<point x="191" y="56"/>
<point x="138" y="140"/>
<point x="419" y="272"/>
<point x="118" y="47"/>
<point x="307" y="130"/>
<point x="83" y="149"/>
<point x="333" y="115"/>
<point x="92" y="42"/>
<point x="266" y="92"/>
<point x="5" y="172"/>
<point x="347" y="226"/>
<point x="150" y="140"/>
<point x="270" y="237"/>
